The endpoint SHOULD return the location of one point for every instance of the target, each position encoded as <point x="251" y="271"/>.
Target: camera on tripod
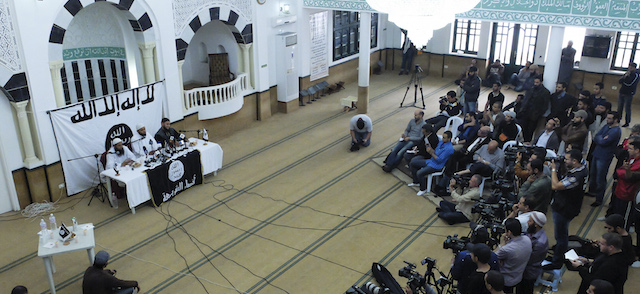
<point x="455" y="244"/>
<point x="416" y="281"/>
<point x="419" y="283"/>
<point x="418" y="68"/>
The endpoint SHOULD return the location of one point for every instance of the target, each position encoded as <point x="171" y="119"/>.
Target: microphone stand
<point x="100" y="191"/>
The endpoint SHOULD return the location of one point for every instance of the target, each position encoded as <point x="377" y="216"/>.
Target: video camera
<point x="511" y="153"/>
<point x="455" y="244"/>
<point x="492" y="211"/>
<point x="462" y="181"/>
<point x="419" y="283"/>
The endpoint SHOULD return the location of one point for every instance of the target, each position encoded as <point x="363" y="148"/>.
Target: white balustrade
<point x="217" y="101"/>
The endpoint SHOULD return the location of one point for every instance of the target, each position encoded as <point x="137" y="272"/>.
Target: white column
<point x="25" y="132"/>
<point x="147" y="61"/>
<point x="182" y="102"/>
<point x="554" y="52"/>
<point x="56" y="78"/>
<point x="364" y="62"/>
<point x="246" y="62"/>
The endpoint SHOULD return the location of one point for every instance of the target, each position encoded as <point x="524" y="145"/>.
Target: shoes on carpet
<point x="625" y="125"/>
<point x="413" y="185"/>
<point x="596" y="204"/>
<point x="421" y="192"/>
<point x="354" y="147"/>
<point x="386" y="168"/>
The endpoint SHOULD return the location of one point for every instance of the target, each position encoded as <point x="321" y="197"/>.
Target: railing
<point x="217" y="101"/>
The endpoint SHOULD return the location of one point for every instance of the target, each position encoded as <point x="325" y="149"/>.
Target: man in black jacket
<point x="609" y="266"/>
<point x="449" y="106"/>
<point x="628" y="84"/>
<point x="167" y="134"/>
<point x="536" y="101"/>
<point x="471" y="88"/>
<point x="98" y="280"/>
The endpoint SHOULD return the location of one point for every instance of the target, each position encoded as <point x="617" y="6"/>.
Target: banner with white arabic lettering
<point x="173" y="177"/>
<point x="319" y="58"/>
<point x="85" y="130"/>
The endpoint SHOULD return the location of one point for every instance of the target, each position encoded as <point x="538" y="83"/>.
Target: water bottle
<point x="43" y="228"/>
<point x="205" y="135"/>
<point x="52" y="223"/>
<point x="114" y="200"/>
<point x="75" y="224"/>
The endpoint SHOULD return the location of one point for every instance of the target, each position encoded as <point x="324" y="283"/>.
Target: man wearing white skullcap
<point x="540" y="245"/>
<point x="143" y="143"/>
<point x="119" y="155"/>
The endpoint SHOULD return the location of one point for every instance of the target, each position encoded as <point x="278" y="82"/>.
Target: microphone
<point x="144" y="148"/>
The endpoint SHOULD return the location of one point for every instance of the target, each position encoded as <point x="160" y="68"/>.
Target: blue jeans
<point x="561" y="231"/>
<point x="624" y="101"/>
<point x="449" y="213"/>
<point x="598" y="177"/>
<point x="514" y="80"/>
<point x="360" y="138"/>
<point x="396" y="154"/>
<point x="470" y="106"/>
<point x="420" y="170"/>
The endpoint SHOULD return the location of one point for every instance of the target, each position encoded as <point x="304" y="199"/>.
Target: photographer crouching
<point x="459" y="211"/>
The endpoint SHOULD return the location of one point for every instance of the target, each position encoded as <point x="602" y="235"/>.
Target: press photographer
<point x="423" y="284"/>
<point x="449" y="106"/>
<point x="464" y="265"/>
<point x="459" y="211"/>
<point x="481" y="255"/>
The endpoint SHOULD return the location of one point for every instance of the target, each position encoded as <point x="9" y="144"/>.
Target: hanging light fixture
<point x="421" y="17"/>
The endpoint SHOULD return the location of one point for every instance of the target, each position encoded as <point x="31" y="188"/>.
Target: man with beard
<point x="535" y="102"/>
<point x="164" y="134"/>
<point x="609" y="266"/>
<point x="548" y="138"/>
<point x="561" y="103"/>
<point x="540" y="245"/>
<point x="628" y="84"/>
<point x="599" y="117"/>
<point x="119" y="155"/>
<point x="606" y="141"/>
<point x="566" y="202"/>
<point x="471" y="88"/>
<point x="574" y="133"/>
<point x="507" y="129"/>
<point x="429" y="139"/>
<point x="142" y="143"/>
<point x="410" y="137"/>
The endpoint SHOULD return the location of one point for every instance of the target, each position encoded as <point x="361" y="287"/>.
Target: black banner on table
<point x="174" y="176"/>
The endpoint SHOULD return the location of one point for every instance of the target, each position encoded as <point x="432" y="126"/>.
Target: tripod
<point x="416" y="80"/>
<point x="100" y="191"/>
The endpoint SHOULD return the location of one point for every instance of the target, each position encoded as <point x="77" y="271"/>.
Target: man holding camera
<point x="514" y="254"/>
<point x="540" y="246"/>
<point x="410" y="137"/>
<point x="429" y="139"/>
<point x="449" y="106"/>
<point x="454" y="213"/>
<point x="566" y="202"/>
<point x="537" y="186"/>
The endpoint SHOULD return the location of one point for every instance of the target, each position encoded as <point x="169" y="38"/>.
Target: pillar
<point x="182" y="102"/>
<point x="56" y="78"/>
<point x="364" y="62"/>
<point x="147" y="61"/>
<point x="246" y="62"/>
<point x="554" y="52"/>
<point x="25" y="132"/>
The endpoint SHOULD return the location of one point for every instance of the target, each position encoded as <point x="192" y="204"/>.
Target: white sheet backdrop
<point x="83" y="129"/>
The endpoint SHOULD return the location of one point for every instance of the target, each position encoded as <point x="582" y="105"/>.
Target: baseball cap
<point x="101" y="258"/>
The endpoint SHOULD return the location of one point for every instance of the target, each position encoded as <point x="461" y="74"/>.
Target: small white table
<point x="84" y="240"/>
<point x="136" y="183"/>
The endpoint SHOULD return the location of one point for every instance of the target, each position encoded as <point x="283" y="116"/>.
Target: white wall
<point x="212" y="35"/>
<point x="599" y="65"/>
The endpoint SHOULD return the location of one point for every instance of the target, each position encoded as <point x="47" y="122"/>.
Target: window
<point x="625" y="51"/>
<point x="76" y="80"/>
<point x="65" y="86"/>
<point x="346" y="35"/>
<point x="466" y="36"/>
<point x="92" y="86"/>
<point x="514" y="44"/>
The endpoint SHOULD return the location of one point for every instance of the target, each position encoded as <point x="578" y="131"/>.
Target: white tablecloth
<point x="136" y="183"/>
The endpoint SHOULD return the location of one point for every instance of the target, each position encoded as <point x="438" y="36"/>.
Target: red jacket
<point x="626" y="189"/>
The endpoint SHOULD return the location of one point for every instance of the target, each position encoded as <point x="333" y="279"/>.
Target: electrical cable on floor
<point x="164" y="267"/>
<point x="390" y="224"/>
<point x="192" y="238"/>
<point x="175" y="248"/>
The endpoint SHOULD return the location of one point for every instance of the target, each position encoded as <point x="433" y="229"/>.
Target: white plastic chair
<point x="509" y="144"/>
<point x="551" y="154"/>
<point x="430" y="179"/>
<point x="481" y="187"/>
<point x="519" y="136"/>
<point x="452" y="125"/>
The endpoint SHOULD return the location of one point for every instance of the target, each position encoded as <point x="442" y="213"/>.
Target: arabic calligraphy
<point x="93" y="52"/>
<point x="183" y="185"/>
<point x="610" y="8"/>
<point x="112" y="104"/>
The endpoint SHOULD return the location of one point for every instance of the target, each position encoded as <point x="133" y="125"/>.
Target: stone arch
<point x="242" y="30"/>
<point x="141" y="24"/>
